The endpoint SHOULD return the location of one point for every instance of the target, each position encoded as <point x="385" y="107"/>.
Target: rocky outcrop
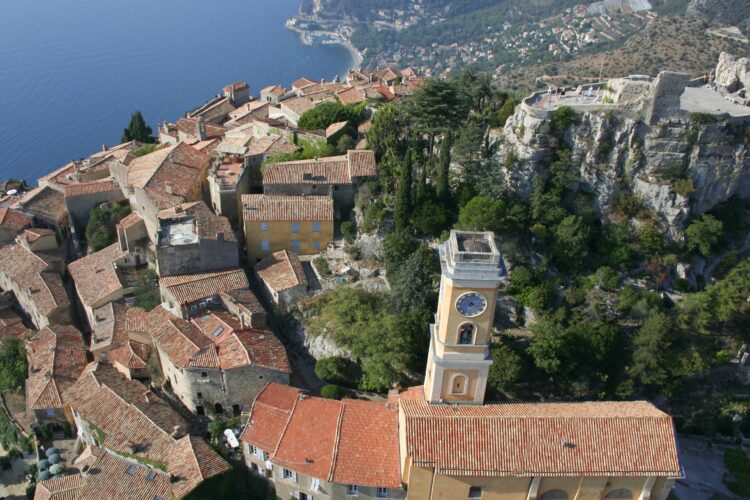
<point x="618" y="150"/>
<point x="733" y="73"/>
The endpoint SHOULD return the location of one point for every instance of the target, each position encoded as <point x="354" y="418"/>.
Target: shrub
<point x="683" y="187"/>
<point x="348" y="231"/>
<point x="100" y="228"/>
<point x="4" y="463"/>
<point x="328" y="113"/>
<point x="561" y="119"/>
<point x="146" y="290"/>
<point x="738" y="464"/>
<point x="332" y="391"/>
<point x="144" y="150"/>
<point x="606" y="278"/>
<point x="703" y="118"/>
<point x="321" y="264"/>
<point x="336" y="370"/>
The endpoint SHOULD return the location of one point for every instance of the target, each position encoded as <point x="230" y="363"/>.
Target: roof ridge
<point x="288" y="419"/>
<point x="336" y="441"/>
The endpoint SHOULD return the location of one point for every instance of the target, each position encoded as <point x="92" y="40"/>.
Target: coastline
<point x="335" y="39"/>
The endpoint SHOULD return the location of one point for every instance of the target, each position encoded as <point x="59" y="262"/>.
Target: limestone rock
<point x="732" y="72"/>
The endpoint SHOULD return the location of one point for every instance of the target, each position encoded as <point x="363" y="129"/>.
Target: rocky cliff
<point x="620" y="149"/>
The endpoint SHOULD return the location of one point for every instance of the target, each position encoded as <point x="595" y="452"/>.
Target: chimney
<point x="169" y="188"/>
<point x="176" y="431"/>
<point x="200" y="129"/>
<point x="105" y="147"/>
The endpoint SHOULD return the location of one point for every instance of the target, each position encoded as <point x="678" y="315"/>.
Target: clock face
<point x="471" y="304"/>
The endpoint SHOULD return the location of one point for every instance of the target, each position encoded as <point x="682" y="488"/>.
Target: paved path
<point x="704" y="471"/>
<point x="13" y="481"/>
<point x="705" y="100"/>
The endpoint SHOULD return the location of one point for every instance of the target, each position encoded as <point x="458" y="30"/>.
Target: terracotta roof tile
<point x="245" y="299"/>
<point x="60" y="488"/>
<point x="34" y="233"/>
<point x="529" y="439"/>
<point x="95" y="275"/>
<point x="130" y="220"/>
<point x="329" y="170"/>
<point x="57" y="356"/>
<point x="187" y="288"/>
<point x="132" y="355"/>
<point x="281" y="271"/>
<point x="11" y="325"/>
<point x="302" y="82"/>
<point x="355" y="442"/>
<point x="136" y="320"/>
<point x="179" y="339"/>
<point x="36" y="273"/>
<point x="299" y="105"/>
<point x="192" y="462"/>
<point x="277" y="90"/>
<point x="14" y="220"/>
<point x="351" y="96"/>
<point x="45" y="202"/>
<point x="261" y="208"/>
<point x="86" y="188"/>
<point x="109" y="329"/>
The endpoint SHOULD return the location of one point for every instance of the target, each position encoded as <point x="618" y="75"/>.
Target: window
<point x="466" y="333"/>
<point x="303" y="496"/>
<point x="316" y="244"/>
<point x="316" y="227"/>
<point x="620" y="493"/>
<point x="315" y="484"/>
<point x="131" y="469"/>
<point x="204" y="374"/>
<point x="50" y="412"/>
<point x="295" y="245"/>
<point x="295" y="227"/>
<point x="557" y="494"/>
<point x="475" y="492"/>
<point x="199" y="410"/>
<point x="265" y="246"/>
<point x="288" y="474"/>
<point x="151" y="476"/>
<point x="382" y="493"/>
<point x="459" y="383"/>
<point x="199" y="395"/>
<point x="352" y="490"/>
<point x="264" y="226"/>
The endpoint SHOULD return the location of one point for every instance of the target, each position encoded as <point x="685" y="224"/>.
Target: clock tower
<point x="459" y="358"/>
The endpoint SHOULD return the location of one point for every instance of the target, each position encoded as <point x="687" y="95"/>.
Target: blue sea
<point x="73" y="71"/>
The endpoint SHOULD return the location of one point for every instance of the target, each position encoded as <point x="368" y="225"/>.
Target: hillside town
<point x="160" y="357"/>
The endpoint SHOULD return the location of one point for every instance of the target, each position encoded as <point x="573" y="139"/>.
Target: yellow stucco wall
<point x="451" y="319"/>
<point x="279" y="236"/>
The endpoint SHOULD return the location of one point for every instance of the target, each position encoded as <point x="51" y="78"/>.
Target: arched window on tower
<point x="621" y="493"/>
<point x="554" y="494"/>
<point x="466" y="333"/>
<point x="459" y="383"/>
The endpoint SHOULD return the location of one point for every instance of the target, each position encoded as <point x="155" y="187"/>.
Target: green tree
<point x="431" y="218"/>
<point x="404" y="201"/>
<point x="327" y="113"/>
<point x="13" y="367"/>
<point x="444" y="165"/>
<point x="332" y="391"/>
<point x="703" y="234"/>
<point x="482" y="214"/>
<point x="651" y="351"/>
<point x="386" y="131"/>
<point x="146" y="290"/>
<point x="100" y="228"/>
<point x="337" y="370"/>
<point x="414" y="281"/>
<point x="509" y="107"/>
<point x="550" y="349"/>
<point x="438" y="106"/>
<point x="138" y="130"/>
<point x="398" y="246"/>
<point x="505" y="370"/>
<point x="571" y="242"/>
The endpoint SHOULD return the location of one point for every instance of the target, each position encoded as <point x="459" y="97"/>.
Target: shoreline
<point x="336" y="39"/>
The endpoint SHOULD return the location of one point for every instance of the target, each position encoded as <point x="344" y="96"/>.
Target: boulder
<point x="733" y="73"/>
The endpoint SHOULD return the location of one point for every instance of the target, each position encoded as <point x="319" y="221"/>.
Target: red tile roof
<point x="351" y="96"/>
<point x="14" y="220"/>
<point x="541" y="439"/>
<point x="236" y="86"/>
<point x="132" y="355"/>
<point x="45" y="202"/>
<point x="57" y="356"/>
<point x="187" y="288"/>
<point x="299" y="105"/>
<point x="130" y="220"/>
<point x="137" y="422"/>
<point x="95" y="275"/>
<point x="277" y="90"/>
<point x="11" y="325"/>
<point x="86" y="188"/>
<point x="34" y="233"/>
<point x="177" y="168"/>
<point x="36" y="274"/>
<point x="180" y="340"/>
<point x="60" y="488"/>
<point x="281" y="271"/>
<point x="302" y="82"/>
<point x="267" y="208"/>
<point x="329" y="170"/>
<point x="355" y="442"/>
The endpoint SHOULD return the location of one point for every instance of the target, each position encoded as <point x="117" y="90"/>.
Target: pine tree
<point x="404" y="205"/>
<point x="138" y="130"/>
<point x="443" y="187"/>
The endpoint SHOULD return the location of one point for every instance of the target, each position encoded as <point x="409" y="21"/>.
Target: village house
<point x="337" y="176"/>
<point x="125" y="418"/>
<point x="193" y="239"/>
<point x="272" y="94"/>
<point x="282" y="278"/>
<point x="56" y="356"/>
<point x="293" y="109"/>
<point x="48" y="208"/>
<point x="103" y="277"/>
<point x="212" y="363"/>
<point x="238" y="93"/>
<point x="82" y="198"/>
<point x="244" y="305"/>
<point x="133" y="237"/>
<point x="34" y="279"/>
<point x="353" y="451"/>
<point x="228" y="180"/>
<point x="38" y="239"/>
<point x="189" y="295"/>
<point x="13" y="223"/>
<point x="302" y="224"/>
<point x="249" y="112"/>
<point x="164" y="179"/>
<point x="11" y="325"/>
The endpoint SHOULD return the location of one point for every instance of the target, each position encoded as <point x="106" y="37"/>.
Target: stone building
<point x="336" y="176"/>
<point x="166" y="178"/>
<point x="48" y="208"/>
<point x="302" y="224"/>
<point x="272" y="94"/>
<point x="283" y="278"/>
<point x="125" y="418"/>
<point x="34" y="279"/>
<point x="214" y="365"/>
<point x="228" y="180"/>
<point x="238" y="93"/>
<point x="13" y="223"/>
<point x="103" y="277"/>
<point x="82" y="198"/>
<point x="192" y="239"/>
<point x="293" y="109"/>
<point x="190" y="295"/>
<point x="245" y="306"/>
<point x="38" y="239"/>
<point x="353" y="450"/>
<point x="56" y="356"/>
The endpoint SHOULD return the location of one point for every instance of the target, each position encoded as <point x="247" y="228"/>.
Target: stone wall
<point x="80" y="207"/>
<point x="205" y="256"/>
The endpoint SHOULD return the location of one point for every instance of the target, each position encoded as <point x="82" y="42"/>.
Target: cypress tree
<point x="138" y="130"/>
<point x="404" y="205"/>
<point x="443" y="188"/>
